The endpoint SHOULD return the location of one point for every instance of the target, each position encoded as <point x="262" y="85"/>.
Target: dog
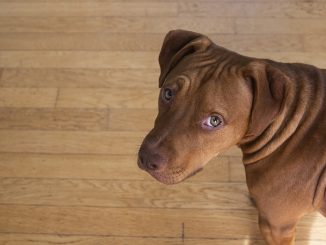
<point x="212" y="98"/>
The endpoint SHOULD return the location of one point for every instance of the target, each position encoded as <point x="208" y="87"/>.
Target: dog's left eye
<point x="167" y="94"/>
<point x="213" y="121"/>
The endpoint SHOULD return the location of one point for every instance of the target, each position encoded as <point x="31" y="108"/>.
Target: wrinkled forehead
<point x="211" y="64"/>
<point x="195" y="75"/>
<point x="215" y="70"/>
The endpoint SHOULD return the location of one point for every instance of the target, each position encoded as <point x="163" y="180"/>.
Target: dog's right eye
<point x="212" y="122"/>
<point x="167" y="94"/>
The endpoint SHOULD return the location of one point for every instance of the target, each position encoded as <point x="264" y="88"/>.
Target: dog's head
<point x="206" y="105"/>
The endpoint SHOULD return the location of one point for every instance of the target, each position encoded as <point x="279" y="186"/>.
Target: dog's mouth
<point x="173" y="177"/>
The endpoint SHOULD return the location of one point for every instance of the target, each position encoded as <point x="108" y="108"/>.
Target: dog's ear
<point x="176" y="45"/>
<point x="268" y="85"/>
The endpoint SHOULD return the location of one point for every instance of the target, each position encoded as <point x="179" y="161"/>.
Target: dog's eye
<point x="167" y="94"/>
<point x="213" y="121"/>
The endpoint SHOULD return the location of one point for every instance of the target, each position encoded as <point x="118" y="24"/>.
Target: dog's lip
<point x="194" y="172"/>
<point x="171" y="179"/>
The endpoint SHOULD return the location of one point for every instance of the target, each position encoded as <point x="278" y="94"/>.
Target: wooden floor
<point x="78" y="88"/>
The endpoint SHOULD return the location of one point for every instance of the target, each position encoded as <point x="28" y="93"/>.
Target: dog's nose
<point x="150" y="160"/>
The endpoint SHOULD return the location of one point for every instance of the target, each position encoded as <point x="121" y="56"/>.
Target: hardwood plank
<point x="127" y="194"/>
<point x="144" y="222"/>
<point x="98" y="8"/>
<point x="87" y="1"/>
<point x="254" y="9"/>
<point x="132" y="119"/>
<point x="92" y="1"/>
<point x="80" y="78"/>
<point x="115" y="24"/>
<point x="248" y="240"/>
<point x="142" y="42"/>
<point x="66" y="166"/>
<point x="32" y="239"/>
<point x="28" y="97"/>
<point x="53" y="119"/>
<point x="70" y="142"/>
<point x="81" y="41"/>
<point x="100" y="167"/>
<point x="234" y="151"/>
<point x="225" y="241"/>
<point x="78" y="59"/>
<point x="310" y="227"/>
<point x="100" y="221"/>
<point x="200" y="1"/>
<point x="237" y="170"/>
<point x="108" y="97"/>
<point x="123" y="60"/>
<point x="259" y="42"/>
<point x="315" y="43"/>
<point x="135" y="222"/>
<point x="216" y="170"/>
<point x="280" y="26"/>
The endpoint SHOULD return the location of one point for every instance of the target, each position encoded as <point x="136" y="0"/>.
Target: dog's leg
<point x="276" y="234"/>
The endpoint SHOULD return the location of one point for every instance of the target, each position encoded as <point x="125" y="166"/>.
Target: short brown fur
<point x="275" y="112"/>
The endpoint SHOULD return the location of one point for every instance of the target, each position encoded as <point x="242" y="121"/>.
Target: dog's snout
<point x="151" y="160"/>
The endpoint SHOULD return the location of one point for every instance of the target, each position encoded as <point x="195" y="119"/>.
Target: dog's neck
<point x="303" y="99"/>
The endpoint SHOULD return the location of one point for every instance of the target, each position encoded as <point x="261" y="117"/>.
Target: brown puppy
<point x="212" y="98"/>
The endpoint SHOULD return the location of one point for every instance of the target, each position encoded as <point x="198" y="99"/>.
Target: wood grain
<point x="108" y="97"/>
<point x="115" y="24"/>
<point x="280" y="26"/>
<point x="163" y="222"/>
<point x="18" y="239"/>
<point x="102" y="221"/>
<point x="91" y="166"/>
<point x="315" y="43"/>
<point x="28" y="97"/>
<point x="80" y="78"/>
<point x="88" y="9"/>
<point x="32" y="239"/>
<point x="127" y="194"/>
<point x="96" y="1"/>
<point x="70" y="142"/>
<point x="107" y="221"/>
<point x="54" y="119"/>
<point x="311" y="226"/>
<point x="64" y="166"/>
<point x="78" y="59"/>
<point x="200" y="1"/>
<point x="237" y="170"/>
<point x="276" y="9"/>
<point x="248" y="240"/>
<point x="222" y="9"/>
<point x="143" y="42"/>
<point x="125" y="60"/>
<point x="81" y="41"/>
<point x="132" y="119"/>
